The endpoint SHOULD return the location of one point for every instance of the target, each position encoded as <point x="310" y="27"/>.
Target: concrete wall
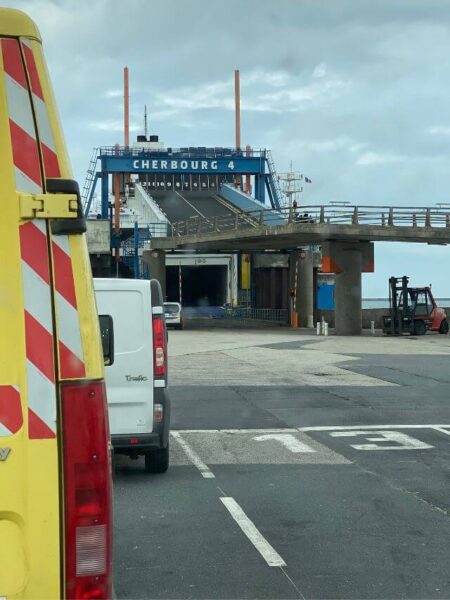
<point x="272" y="260"/>
<point x="98" y="236"/>
<point x="368" y="315"/>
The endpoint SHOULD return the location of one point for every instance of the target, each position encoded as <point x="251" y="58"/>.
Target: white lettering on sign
<point x="287" y="440"/>
<point x="402" y="441"/>
<point x="193" y="165"/>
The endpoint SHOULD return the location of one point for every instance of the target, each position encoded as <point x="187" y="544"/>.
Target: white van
<point x="138" y="400"/>
<point x="174" y="314"/>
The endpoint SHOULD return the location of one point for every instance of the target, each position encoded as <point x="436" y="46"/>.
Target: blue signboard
<point x="120" y="164"/>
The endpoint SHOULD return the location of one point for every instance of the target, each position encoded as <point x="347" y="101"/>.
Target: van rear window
<point x="171" y="309"/>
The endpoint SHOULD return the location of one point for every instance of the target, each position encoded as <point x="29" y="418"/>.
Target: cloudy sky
<point x="355" y="93"/>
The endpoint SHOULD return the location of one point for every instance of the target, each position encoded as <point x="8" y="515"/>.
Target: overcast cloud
<point x="355" y="93"/>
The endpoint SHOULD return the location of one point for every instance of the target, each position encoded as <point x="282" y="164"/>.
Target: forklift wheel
<point x="444" y="326"/>
<point x="419" y="328"/>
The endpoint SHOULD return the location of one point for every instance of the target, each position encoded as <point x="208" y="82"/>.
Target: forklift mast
<point x="398" y="310"/>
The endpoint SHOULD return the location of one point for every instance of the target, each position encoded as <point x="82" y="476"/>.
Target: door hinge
<point x="48" y="206"/>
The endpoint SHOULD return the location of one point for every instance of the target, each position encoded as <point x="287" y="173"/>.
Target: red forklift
<point x="412" y="310"/>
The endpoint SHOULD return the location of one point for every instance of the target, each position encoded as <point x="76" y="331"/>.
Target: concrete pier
<point x="156" y="262"/>
<point x="348" y="290"/>
<point x="305" y="293"/>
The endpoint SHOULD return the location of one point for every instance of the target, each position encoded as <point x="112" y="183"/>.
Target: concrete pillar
<point x="294" y="259"/>
<point x="156" y="262"/>
<point x="305" y="290"/>
<point x="347" y="296"/>
<point x="303" y="280"/>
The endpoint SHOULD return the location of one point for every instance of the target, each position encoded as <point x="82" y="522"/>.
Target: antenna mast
<point x="145" y="121"/>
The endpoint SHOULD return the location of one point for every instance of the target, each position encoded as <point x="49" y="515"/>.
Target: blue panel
<point x="246" y="203"/>
<point x="325" y="297"/>
<point x="231" y="165"/>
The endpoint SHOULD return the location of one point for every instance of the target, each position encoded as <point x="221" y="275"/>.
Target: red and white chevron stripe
<point x="70" y="351"/>
<point x="11" y="419"/>
<point x="21" y="122"/>
<point x="70" y="348"/>
<point x="46" y="139"/>
<point x="38" y="330"/>
<point x="34" y="252"/>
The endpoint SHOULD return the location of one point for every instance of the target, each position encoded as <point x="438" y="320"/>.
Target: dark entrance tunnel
<point x="204" y="285"/>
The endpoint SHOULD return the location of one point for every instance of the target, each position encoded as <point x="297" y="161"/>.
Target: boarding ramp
<point x="248" y="204"/>
<point x="142" y="209"/>
<point x="192" y="206"/>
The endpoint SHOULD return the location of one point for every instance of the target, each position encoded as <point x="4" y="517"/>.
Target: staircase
<point x="88" y="187"/>
<point x="274" y="185"/>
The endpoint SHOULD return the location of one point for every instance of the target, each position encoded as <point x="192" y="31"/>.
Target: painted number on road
<point x="287" y="440"/>
<point x="401" y="440"/>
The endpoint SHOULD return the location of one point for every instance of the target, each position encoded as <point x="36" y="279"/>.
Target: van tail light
<point x="158" y="412"/>
<point x="159" y="346"/>
<point x="87" y="490"/>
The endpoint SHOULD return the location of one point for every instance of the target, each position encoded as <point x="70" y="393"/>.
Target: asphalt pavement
<point x="301" y="467"/>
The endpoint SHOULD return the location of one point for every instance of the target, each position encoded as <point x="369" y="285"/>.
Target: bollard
<point x="372" y="327"/>
<point x="318" y="328"/>
<point x="325" y="328"/>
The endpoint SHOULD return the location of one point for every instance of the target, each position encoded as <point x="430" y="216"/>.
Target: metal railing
<point x="382" y="216"/>
<point x="200" y="152"/>
<point x="269" y="315"/>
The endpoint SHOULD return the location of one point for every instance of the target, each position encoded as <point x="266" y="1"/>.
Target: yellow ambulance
<point x="55" y="485"/>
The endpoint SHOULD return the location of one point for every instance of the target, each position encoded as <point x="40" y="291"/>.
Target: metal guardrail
<point x="384" y="216"/>
<point x="191" y="152"/>
<point x="269" y="315"/>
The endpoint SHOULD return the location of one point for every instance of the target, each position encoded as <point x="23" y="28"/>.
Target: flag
<point x="308" y="180"/>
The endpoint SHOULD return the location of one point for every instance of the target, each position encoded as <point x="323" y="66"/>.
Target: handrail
<point x="363" y="215"/>
<point x="191" y="152"/>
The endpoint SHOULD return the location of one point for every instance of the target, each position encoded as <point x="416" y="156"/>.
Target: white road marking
<point x="442" y="430"/>
<point x="270" y="555"/>
<point x="285" y="430"/>
<point x="193" y="456"/>
<point x="287" y="440"/>
<point x="359" y="427"/>
<point x="403" y="441"/>
<point x="229" y="447"/>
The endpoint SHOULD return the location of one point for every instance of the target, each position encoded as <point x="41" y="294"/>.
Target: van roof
<point x="124" y="284"/>
<point x="16" y="23"/>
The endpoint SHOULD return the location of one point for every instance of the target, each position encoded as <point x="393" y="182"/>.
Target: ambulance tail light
<point x="87" y="491"/>
<point x="159" y="346"/>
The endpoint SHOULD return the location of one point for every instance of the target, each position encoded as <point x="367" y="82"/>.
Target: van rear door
<point x="29" y="472"/>
<point x="50" y="353"/>
<point x="130" y="379"/>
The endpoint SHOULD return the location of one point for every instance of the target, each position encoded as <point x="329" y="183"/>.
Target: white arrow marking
<point x="287" y="440"/>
